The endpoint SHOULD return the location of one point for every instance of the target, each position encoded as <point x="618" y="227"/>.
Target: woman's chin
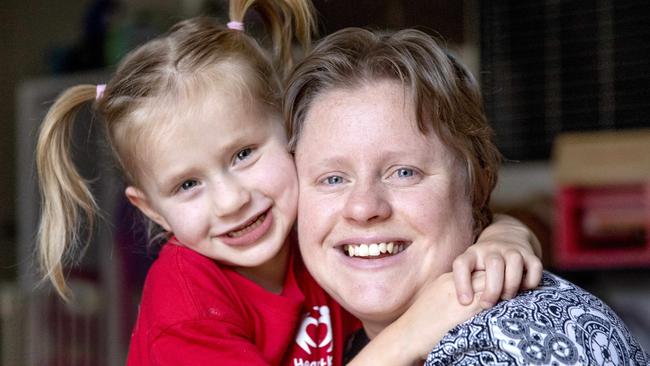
<point x="375" y="305"/>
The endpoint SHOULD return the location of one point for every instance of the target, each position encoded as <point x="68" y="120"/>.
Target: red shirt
<point x="196" y="312"/>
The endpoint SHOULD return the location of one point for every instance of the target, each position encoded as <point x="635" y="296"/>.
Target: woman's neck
<point x="374" y="328"/>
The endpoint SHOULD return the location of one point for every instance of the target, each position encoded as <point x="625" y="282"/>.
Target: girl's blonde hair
<point x="193" y="49"/>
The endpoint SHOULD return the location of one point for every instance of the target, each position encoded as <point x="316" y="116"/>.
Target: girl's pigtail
<point x="299" y="23"/>
<point x="271" y="15"/>
<point x="304" y="21"/>
<point x="65" y="195"/>
<point x="286" y="20"/>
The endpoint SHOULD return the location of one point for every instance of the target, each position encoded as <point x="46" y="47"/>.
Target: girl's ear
<point x="139" y="200"/>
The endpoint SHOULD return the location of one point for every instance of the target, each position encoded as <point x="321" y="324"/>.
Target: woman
<point x="393" y="149"/>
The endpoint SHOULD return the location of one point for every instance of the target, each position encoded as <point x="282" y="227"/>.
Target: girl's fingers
<point x="533" y="274"/>
<point x="478" y="281"/>
<point x="495" y="268"/>
<point x="463" y="266"/>
<point x="514" y="272"/>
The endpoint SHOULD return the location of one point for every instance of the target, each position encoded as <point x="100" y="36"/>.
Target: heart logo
<point x="313" y="329"/>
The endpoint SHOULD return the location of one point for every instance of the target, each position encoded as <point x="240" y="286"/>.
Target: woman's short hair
<point x="445" y="95"/>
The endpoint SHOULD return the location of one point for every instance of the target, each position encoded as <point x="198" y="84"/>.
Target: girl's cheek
<point x="191" y="221"/>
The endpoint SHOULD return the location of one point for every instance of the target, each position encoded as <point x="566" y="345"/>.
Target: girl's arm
<point x="509" y="252"/>
<point x="409" y="339"/>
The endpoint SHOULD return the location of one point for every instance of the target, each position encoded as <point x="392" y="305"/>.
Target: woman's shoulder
<point x="555" y="323"/>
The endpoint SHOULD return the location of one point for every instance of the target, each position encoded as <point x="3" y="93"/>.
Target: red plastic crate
<point x="602" y="227"/>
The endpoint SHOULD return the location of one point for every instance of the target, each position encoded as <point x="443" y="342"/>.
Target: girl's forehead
<point x="208" y="128"/>
<point x="221" y="93"/>
<point x="198" y="100"/>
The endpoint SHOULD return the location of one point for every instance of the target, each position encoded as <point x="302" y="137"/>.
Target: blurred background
<point x="566" y="85"/>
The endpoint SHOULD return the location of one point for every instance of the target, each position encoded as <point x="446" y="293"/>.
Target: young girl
<point x="193" y="119"/>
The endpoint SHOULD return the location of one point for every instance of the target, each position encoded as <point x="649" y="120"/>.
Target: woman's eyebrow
<point x="325" y="163"/>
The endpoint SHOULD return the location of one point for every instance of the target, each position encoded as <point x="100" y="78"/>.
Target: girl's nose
<point x="230" y="196"/>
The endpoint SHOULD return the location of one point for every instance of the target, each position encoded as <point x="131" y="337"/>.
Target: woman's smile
<point x="380" y="209"/>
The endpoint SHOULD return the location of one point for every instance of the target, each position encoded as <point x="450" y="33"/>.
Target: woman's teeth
<point x="372" y="250"/>
<point x="252" y="226"/>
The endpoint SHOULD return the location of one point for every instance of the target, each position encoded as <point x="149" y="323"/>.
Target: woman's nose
<point x="366" y="204"/>
<point x="230" y="196"/>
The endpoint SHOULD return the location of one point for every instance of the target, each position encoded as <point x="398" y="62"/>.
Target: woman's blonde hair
<point x="161" y="69"/>
<point x="445" y="96"/>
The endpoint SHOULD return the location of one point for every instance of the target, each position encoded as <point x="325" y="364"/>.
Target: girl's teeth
<point x="372" y="250"/>
<point x="256" y="223"/>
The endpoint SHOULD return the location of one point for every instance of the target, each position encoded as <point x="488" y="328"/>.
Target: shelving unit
<point x="603" y="200"/>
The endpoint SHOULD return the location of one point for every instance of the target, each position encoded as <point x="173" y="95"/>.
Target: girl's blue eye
<point x="334" y="179"/>
<point x="244" y="153"/>
<point x="405" y="173"/>
<point x="188" y="184"/>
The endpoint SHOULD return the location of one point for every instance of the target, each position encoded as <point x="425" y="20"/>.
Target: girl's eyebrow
<point x="168" y="182"/>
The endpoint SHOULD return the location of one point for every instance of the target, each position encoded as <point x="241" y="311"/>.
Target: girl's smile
<point x="250" y="232"/>
<point x="221" y="180"/>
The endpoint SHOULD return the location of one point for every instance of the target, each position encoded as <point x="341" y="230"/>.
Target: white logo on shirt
<point x="305" y="340"/>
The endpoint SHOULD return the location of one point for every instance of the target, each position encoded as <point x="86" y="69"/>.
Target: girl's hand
<point x="509" y="254"/>
<point x="435" y="311"/>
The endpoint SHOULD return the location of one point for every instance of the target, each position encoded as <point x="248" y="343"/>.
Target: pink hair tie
<point x="235" y="25"/>
<point x="99" y="91"/>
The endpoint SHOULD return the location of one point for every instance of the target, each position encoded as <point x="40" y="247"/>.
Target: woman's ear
<point x="139" y="200"/>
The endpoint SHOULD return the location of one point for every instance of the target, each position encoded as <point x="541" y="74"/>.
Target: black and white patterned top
<point x="556" y="324"/>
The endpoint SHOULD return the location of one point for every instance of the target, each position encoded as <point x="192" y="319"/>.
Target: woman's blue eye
<point x="405" y="173"/>
<point x="335" y="179"/>
<point x="244" y="153"/>
<point x="188" y="184"/>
